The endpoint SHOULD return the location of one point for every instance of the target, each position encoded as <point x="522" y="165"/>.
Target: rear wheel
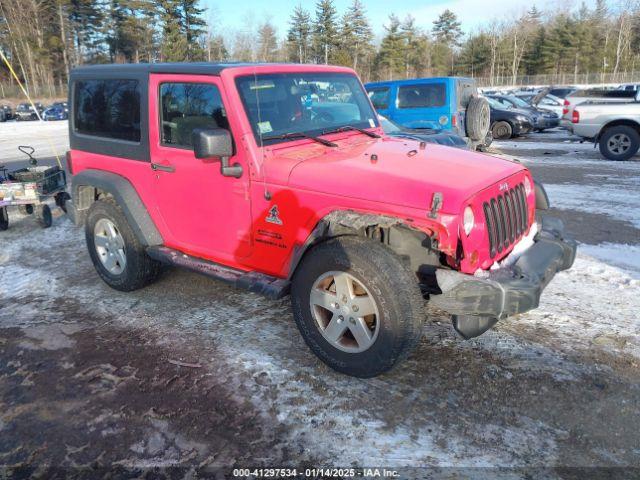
<point x="43" y="214"/>
<point x="357" y="305"/>
<point x="619" y="143"/>
<point x="501" y="130"/>
<point x="117" y="255"/>
<point x="4" y="219"/>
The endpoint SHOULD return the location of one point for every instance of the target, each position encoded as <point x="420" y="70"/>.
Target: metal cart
<point x="30" y="188"/>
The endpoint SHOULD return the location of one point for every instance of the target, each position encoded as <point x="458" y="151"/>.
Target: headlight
<point x="527" y="186"/>
<point x="468" y="220"/>
<point x="522" y="118"/>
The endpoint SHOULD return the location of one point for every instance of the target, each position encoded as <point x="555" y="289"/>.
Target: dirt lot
<point x="92" y="379"/>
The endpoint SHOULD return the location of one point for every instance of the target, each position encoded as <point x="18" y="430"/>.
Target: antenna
<point x="267" y="195"/>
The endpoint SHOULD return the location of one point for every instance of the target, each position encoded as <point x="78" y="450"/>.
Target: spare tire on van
<point x="477" y="118"/>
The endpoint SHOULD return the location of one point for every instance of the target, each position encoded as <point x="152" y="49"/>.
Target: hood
<point x="397" y="171"/>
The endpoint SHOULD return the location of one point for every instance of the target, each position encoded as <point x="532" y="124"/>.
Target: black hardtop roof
<point x="196" y="68"/>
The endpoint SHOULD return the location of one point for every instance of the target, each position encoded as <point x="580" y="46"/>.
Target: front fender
<point x="417" y="244"/>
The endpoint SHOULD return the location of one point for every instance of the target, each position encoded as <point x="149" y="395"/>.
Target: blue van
<point x="441" y="103"/>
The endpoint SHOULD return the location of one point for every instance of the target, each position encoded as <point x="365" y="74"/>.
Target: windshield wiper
<point x="290" y="135"/>
<point x="351" y="127"/>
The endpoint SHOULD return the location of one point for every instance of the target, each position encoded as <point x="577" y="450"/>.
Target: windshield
<point x="495" y="103"/>
<point x="518" y="101"/>
<point x="310" y="103"/>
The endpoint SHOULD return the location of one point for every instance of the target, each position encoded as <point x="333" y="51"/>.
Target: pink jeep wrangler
<point x="278" y="179"/>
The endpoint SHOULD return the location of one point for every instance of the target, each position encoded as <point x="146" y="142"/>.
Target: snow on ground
<point x="614" y="201"/>
<point x="48" y="139"/>
<point x="556" y="386"/>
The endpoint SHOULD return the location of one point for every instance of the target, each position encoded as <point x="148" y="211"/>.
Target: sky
<point x="471" y="13"/>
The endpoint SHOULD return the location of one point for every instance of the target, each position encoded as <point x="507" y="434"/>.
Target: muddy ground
<point x="189" y="378"/>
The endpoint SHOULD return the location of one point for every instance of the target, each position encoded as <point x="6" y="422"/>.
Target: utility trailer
<point x="30" y="188"/>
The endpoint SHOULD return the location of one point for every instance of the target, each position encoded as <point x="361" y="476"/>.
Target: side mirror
<point x="216" y="143"/>
<point x="211" y="143"/>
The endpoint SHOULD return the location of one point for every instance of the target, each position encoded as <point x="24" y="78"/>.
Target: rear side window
<point x="108" y="108"/>
<point x="379" y="97"/>
<point x="187" y="106"/>
<point x="422" y="96"/>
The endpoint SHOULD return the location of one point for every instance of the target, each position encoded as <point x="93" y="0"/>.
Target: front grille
<point x="506" y="219"/>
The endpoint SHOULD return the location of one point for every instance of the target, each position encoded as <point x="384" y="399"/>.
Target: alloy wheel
<point x="619" y="143"/>
<point x="109" y="245"/>
<point x="345" y="312"/>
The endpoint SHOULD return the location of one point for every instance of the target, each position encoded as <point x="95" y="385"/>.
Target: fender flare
<point x="83" y="194"/>
<point x="406" y="240"/>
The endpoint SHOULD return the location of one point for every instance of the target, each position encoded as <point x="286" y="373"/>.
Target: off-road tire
<point x="140" y="269"/>
<point x="502" y="130"/>
<point x="621" y="130"/>
<point x="43" y="214"/>
<point x="394" y="288"/>
<point x="4" y="219"/>
<point x="477" y="118"/>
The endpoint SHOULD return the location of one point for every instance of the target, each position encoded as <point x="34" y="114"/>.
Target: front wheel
<point x="619" y="143"/>
<point x="357" y="305"/>
<point x="502" y="130"/>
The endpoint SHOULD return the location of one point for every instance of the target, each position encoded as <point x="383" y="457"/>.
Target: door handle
<point x="165" y="168"/>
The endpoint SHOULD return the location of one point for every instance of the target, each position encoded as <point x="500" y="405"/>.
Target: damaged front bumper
<point x="476" y="303"/>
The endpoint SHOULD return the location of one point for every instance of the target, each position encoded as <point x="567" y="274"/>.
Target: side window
<point x="422" y="96"/>
<point x="108" y="108"/>
<point x="187" y="106"/>
<point x="379" y="97"/>
<point x="548" y="101"/>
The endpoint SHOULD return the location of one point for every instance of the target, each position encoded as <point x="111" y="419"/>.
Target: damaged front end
<point x="477" y="302"/>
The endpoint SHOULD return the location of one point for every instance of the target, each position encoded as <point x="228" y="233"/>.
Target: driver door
<point x="203" y="212"/>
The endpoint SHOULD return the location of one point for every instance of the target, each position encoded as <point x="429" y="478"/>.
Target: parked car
<point x="542" y="119"/>
<point x="447" y="103"/>
<point x="56" y="112"/>
<point x="593" y="95"/>
<point x="615" y="127"/>
<point x="508" y="122"/>
<point x="545" y="101"/>
<point x="8" y="112"/>
<point x="251" y="181"/>
<point x="25" y="112"/>
<point x="428" y="135"/>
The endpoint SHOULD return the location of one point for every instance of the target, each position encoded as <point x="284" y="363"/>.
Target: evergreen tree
<point x="356" y="34"/>
<point x="390" y="58"/>
<point x="446" y="29"/>
<point x="325" y="34"/>
<point x="447" y="32"/>
<point x="194" y="28"/>
<point x="299" y="35"/>
<point x="267" y="43"/>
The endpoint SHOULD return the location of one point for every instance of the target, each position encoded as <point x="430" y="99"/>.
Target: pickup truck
<point x="614" y="126"/>
<point x="279" y="179"/>
<point x="593" y="95"/>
